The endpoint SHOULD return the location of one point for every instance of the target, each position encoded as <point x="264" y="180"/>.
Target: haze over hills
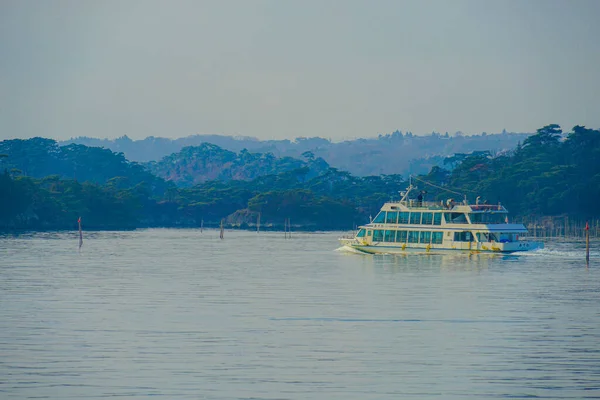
<point x="197" y="164"/>
<point x="47" y="186"/>
<point x="394" y="153"/>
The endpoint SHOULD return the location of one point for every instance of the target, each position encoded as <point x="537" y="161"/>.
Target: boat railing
<point x="440" y="205"/>
<point x="428" y="205"/>
<point x="487" y="207"/>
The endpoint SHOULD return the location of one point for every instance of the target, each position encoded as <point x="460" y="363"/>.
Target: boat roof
<point x="414" y="205"/>
<point x="449" y="205"/>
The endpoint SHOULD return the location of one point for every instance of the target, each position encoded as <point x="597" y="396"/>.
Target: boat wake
<point x="348" y="249"/>
<point x="554" y="253"/>
<point x="545" y="253"/>
<point x="396" y="320"/>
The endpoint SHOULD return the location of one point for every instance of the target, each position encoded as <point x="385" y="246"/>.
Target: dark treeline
<point x="333" y="200"/>
<point x="43" y="186"/>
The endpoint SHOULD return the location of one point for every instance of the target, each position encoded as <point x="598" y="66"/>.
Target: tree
<point x="549" y="135"/>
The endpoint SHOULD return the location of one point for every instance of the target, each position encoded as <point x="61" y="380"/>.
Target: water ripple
<point x="182" y="314"/>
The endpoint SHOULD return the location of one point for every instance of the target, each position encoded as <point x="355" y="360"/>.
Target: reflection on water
<point x="183" y="314"/>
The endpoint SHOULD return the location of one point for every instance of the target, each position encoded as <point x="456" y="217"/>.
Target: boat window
<point x="488" y="218"/>
<point x="369" y="233"/>
<point x="427" y="218"/>
<point x="403" y="218"/>
<point x="391" y="217"/>
<point x="415" y="217"/>
<point x="413" y="237"/>
<point x="378" y="235"/>
<point x="437" y="237"/>
<point x="487" y="237"/>
<point x="463" y="237"/>
<point x="390" y="236"/>
<point x="507" y="238"/>
<point x="455" y="218"/>
<point x="361" y="233"/>
<point x="437" y="218"/>
<point x="425" y="237"/>
<point x="401" y="236"/>
<point x="380" y="218"/>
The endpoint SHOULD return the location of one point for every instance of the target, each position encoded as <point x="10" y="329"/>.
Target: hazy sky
<point x="282" y="69"/>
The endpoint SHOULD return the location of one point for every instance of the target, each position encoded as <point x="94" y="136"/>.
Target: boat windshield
<point x="361" y="233"/>
<point x="487" y="237"/>
<point x="380" y="218"/>
<point x="455" y="218"/>
<point x="487" y="218"/>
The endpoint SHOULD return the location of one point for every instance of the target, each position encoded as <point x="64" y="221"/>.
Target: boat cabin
<point x="449" y="224"/>
<point x="444" y="225"/>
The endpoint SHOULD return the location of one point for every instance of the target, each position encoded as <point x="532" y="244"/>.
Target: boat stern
<point x="521" y="245"/>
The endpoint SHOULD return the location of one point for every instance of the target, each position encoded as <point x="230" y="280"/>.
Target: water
<point x="180" y="314"/>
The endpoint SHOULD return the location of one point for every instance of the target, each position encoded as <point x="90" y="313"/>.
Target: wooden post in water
<point x="201" y="225"/>
<point x="587" y="242"/>
<point x="287" y="228"/>
<point x="222" y="231"/>
<point x="80" y="233"/>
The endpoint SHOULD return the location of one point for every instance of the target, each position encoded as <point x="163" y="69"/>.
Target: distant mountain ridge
<point x="394" y="153"/>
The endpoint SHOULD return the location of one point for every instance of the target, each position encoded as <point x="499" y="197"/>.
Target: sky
<point x="284" y="69"/>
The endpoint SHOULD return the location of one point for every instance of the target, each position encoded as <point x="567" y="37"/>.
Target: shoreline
<point x="211" y="227"/>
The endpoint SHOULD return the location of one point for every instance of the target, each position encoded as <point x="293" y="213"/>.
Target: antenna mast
<point x="408" y="189"/>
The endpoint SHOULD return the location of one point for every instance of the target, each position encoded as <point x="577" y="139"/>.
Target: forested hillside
<point x="549" y="174"/>
<point x="207" y="162"/>
<point x="39" y="158"/>
<point x="43" y="186"/>
<point x="333" y="200"/>
<point x="109" y="192"/>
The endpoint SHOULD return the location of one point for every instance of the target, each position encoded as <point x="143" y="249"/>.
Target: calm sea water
<point x="180" y="314"/>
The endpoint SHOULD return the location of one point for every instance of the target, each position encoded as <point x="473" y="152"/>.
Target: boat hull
<point x="384" y="248"/>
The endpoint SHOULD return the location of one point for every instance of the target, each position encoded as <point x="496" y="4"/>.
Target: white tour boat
<point x="412" y="225"/>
